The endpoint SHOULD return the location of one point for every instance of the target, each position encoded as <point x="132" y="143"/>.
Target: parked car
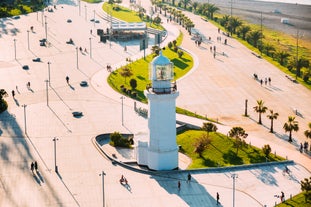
<point x="36" y="59"/>
<point x="25" y="67"/>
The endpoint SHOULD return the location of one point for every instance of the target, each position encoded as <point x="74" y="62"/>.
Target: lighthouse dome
<point x="161" y="60"/>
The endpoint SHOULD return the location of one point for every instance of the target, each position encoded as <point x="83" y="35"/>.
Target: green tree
<point x="185" y="3"/>
<point x="133" y="83"/>
<point x="266" y="150"/>
<point x="195" y="5"/>
<point x="282" y="57"/>
<point x="291" y="125"/>
<point x="306" y="188"/>
<point x="234" y="23"/>
<point x="201" y="144"/>
<point x="126" y="72"/>
<point x="244" y="29"/>
<point x="272" y="116"/>
<point x="155" y="49"/>
<point x="260" y="109"/>
<point x="302" y="63"/>
<point x="308" y="131"/>
<point x="3" y="103"/>
<point x="211" y="9"/>
<point x="253" y="37"/>
<point x="238" y="133"/>
<point x="209" y="127"/>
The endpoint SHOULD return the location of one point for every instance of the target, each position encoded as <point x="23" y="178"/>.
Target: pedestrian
<point x="179" y="184"/>
<point x="218" y="30"/>
<point x="261" y="81"/>
<point x="28" y="85"/>
<point x="36" y="166"/>
<point x="91" y="31"/>
<point x="269" y="79"/>
<point x="210" y="48"/>
<point x="266" y="81"/>
<point x="217" y="198"/>
<point x="67" y="79"/>
<point x="301" y="147"/>
<point x="189" y="178"/>
<point x="214" y="48"/>
<point x="13" y="93"/>
<point x="32" y="165"/>
<point x="16" y="88"/>
<point x="282" y="196"/>
<point x="214" y="54"/>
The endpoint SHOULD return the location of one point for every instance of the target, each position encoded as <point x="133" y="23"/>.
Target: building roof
<point x="128" y="26"/>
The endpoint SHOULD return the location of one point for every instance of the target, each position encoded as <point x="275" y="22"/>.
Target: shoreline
<point x="272" y="12"/>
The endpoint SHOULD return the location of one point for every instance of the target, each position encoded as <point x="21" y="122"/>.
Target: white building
<point x="161" y="151"/>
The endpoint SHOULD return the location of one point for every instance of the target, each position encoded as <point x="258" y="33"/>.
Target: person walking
<point x="36" y="166"/>
<point x="189" y="178"/>
<point x="179" y="185"/>
<point x="28" y="85"/>
<point x="67" y="79"/>
<point x="32" y="165"/>
<point x="217" y="198"/>
<point x="13" y="93"/>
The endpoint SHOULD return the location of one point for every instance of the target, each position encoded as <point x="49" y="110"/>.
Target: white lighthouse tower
<point x="162" y="94"/>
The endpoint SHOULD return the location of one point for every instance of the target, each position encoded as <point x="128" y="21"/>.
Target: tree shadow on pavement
<point x="265" y="175"/>
<point x="16" y="152"/>
<point x="192" y="193"/>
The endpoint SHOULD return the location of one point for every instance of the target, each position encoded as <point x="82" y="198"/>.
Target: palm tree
<point x="308" y="131"/>
<point x="185" y="3"/>
<point x="195" y="5"/>
<point x="238" y="133"/>
<point x="272" y="116"/>
<point x="211" y="8"/>
<point x="291" y="125"/>
<point x="244" y="29"/>
<point x="302" y="62"/>
<point x="209" y="127"/>
<point x="260" y="109"/>
<point x="254" y="37"/>
<point x="269" y="48"/>
<point x="282" y="56"/>
<point x="126" y="72"/>
<point x="234" y="23"/>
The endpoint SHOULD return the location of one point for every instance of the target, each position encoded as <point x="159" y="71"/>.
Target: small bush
<point x="170" y="45"/>
<point x="117" y="140"/>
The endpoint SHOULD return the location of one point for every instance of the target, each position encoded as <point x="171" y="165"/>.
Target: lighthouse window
<point x="163" y="72"/>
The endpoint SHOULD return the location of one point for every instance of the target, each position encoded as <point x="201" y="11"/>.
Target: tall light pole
<point x="94" y="17"/>
<point x="25" y="123"/>
<point x="90" y="47"/>
<point x="14" y="48"/>
<point x="122" y="97"/>
<point x="79" y="7"/>
<point x="297" y="47"/>
<point x="234" y="176"/>
<point x="42" y="12"/>
<point x="77" y="57"/>
<point x="85" y="12"/>
<point x="55" y="165"/>
<point x="28" y="39"/>
<point x="103" y="184"/>
<point x="261" y="34"/>
<point x="245" y="114"/>
<point x="49" y="73"/>
<point x="47" y="92"/>
<point x="46" y="29"/>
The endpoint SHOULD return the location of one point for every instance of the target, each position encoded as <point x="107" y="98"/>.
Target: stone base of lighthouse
<point x="164" y="160"/>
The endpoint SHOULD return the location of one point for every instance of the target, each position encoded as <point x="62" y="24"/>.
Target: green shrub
<point x="170" y="45"/>
<point x="133" y="83"/>
<point x="117" y="140"/>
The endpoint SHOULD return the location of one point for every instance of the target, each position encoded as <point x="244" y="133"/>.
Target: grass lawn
<point x="220" y="152"/>
<point x="127" y="15"/>
<point x="140" y="70"/>
<point x="92" y="1"/>
<point x="297" y="200"/>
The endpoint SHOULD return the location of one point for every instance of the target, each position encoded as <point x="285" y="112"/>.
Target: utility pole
<point x="47" y="92"/>
<point x="46" y="29"/>
<point x="90" y="47"/>
<point x="14" y="49"/>
<point x="28" y="39"/>
<point x="234" y="176"/>
<point x="77" y="57"/>
<point x="122" y="98"/>
<point x="103" y="185"/>
<point x="24" y="105"/>
<point x="55" y="165"/>
<point x="49" y="74"/>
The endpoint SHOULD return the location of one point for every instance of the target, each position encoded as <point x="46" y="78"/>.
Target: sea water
<point x="303" y="2"/>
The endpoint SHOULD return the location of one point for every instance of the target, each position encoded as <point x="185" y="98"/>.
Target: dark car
<point x="25" y="67"/>
<point x="36" y="59"/>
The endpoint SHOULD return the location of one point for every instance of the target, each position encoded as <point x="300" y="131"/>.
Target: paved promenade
<point x="48" y="109"/>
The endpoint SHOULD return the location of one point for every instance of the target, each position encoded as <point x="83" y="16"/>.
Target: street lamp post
<point x="85" y="12"/>
<point x="42" y="12"/>
<point x="246" y="107"/>
<point x="28" y="39"/>
<point x="79" y="7"/>
<point x="297" y="47"/>
<point x="77" y="57"/>
<point x="234" y="176"/>
<point x="55" y="165"/>
<point x="90" y="47"/>
<point x="122" y="98"/>
<point x="94" y="17"/>
<point x="47" y="92"/>
<point x="49" y="74"/>
<point x="14" y="48"/>
<point x="103" y="184"/>
<point x="46" y="29"/>
<point x="25" y="118"/>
